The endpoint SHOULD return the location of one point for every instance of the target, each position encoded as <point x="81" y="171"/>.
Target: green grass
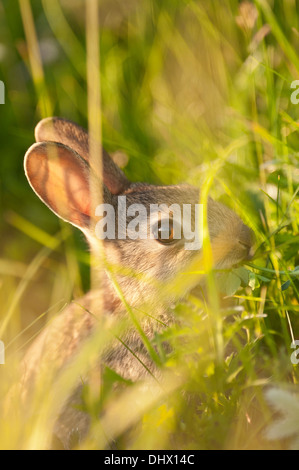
<point x="190" y="94"/>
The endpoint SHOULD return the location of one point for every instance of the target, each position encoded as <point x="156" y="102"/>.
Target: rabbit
<point x="59" y="171"/>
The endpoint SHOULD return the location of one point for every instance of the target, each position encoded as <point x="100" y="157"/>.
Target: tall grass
<point x="191" y="91"/>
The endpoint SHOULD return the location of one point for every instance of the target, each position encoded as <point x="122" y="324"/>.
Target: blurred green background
<point x="185" y="84"/>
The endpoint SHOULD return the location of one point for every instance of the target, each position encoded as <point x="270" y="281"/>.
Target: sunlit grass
<point x="193" y="94"/>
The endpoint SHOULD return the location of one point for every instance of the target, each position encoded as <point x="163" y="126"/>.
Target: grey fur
<point x="153" y="264"/>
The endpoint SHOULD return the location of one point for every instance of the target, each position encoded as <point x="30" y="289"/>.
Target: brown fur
<point x="58" y="170"/>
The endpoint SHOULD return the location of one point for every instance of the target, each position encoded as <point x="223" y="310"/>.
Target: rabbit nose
<point x="246" y="240"/>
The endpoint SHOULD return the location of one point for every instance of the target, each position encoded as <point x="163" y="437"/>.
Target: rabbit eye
<point x="165" y="233"/>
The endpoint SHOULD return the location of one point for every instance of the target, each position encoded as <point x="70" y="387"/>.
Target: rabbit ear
<point x="60" y="177"/>
<point x="68" y="133"/>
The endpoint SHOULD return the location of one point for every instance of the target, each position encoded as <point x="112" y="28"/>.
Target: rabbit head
<point x="59" y="170"/>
